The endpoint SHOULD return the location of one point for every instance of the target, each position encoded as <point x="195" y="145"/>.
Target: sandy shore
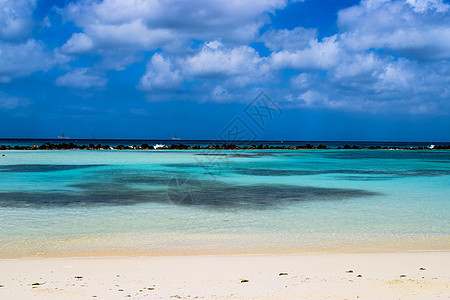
<point x="414" y="275"/>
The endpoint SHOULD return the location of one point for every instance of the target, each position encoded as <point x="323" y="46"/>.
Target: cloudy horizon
<point x="339" y="70"/>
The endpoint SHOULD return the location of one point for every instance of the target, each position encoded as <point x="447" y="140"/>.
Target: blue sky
<point x="334" y="69"/>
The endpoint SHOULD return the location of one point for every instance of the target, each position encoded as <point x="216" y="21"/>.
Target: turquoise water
<point x="157" y="202"/>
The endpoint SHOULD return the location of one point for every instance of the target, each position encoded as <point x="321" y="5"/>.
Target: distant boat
<point x="63" y="137"/>
<point x="176" y="138"/>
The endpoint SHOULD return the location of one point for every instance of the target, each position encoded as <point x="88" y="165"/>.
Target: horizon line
<point x="222" y="141"/>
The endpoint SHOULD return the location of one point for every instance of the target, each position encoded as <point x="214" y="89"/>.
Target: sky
<point x="347" y="70"/>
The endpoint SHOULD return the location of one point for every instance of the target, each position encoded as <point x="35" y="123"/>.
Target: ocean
<point x="137" y="202"/>
<point x="203" y="143"/>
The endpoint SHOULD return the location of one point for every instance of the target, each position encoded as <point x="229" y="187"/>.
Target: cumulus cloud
<point x="425" y="5"/>
<point x="318" y="55"/>
<point x="417" y="29"/>
<point x="218" y="66"/>
<point x="296" y="39"/>
<point x="21" y="54"/>
<point x="375" y="84"/>
<point x="303" y="81"/>
<point x="106" y="37"/>
<point x="215" y="17"/>
<point x="312" y="98"/>
<point x="160" y="75"/>
<point x="78" y="43"/>
<point x="358" y="67"/>
<point x="81" y="78"/>
<point x="16" y="20"/>
<point x="215" y="60"/>
<point x="130" y="26"/>
<point x="23" y="59"/>
<point x="386" y="55"/>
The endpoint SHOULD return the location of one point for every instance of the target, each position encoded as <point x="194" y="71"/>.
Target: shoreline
<point x="405" y="275"/>
<point x="244" y="245"/>
<point x="122" y="253"/>
<point x="85" y="251"/>
<point x="243" y="145"/>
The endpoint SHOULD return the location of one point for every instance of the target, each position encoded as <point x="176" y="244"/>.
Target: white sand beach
<point x="406" y="275"/>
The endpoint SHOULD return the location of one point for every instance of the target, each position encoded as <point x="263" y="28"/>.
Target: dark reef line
<point x="69" y="146"/>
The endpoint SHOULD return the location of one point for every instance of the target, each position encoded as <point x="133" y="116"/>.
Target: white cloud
<point x="46" y="23"/>
<point x="387" y="54"/>
<point x="372" y="84"/>
<point x="127" y="26"/>
<point x="319" y="55"/>
<point x="359" y="66"/>
<point x="220" y="94"/>
<point x="110" y="38"/>
<point x="16" y="20"/>
<point x="160" y="75"/>
<point x="425" y="5"/>
<point x="219" y="70"/>
<point x="9" y="103"/>
<point x="20" y="54"/>
<point x="312" y="98"/>
<point x="226" y="18"/>
<point x="296" y="39"/>
<point x="302" y="81"/>
<point x="23" y="59"/>
<point x="215" y="60"/>
<point x="78" y="43"/>
<point x="416" y="29"/>
<point x="134" y="34"/>
<point x="398" y="76"/>
<point x="81" y="78"/>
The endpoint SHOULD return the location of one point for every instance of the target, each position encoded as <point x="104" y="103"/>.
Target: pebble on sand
<point x="282" y="274"/>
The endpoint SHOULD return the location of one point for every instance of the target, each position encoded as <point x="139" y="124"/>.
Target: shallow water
<point x="148" y="202"/>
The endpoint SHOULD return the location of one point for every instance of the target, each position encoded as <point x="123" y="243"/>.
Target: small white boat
<point x="63" y="137"/>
